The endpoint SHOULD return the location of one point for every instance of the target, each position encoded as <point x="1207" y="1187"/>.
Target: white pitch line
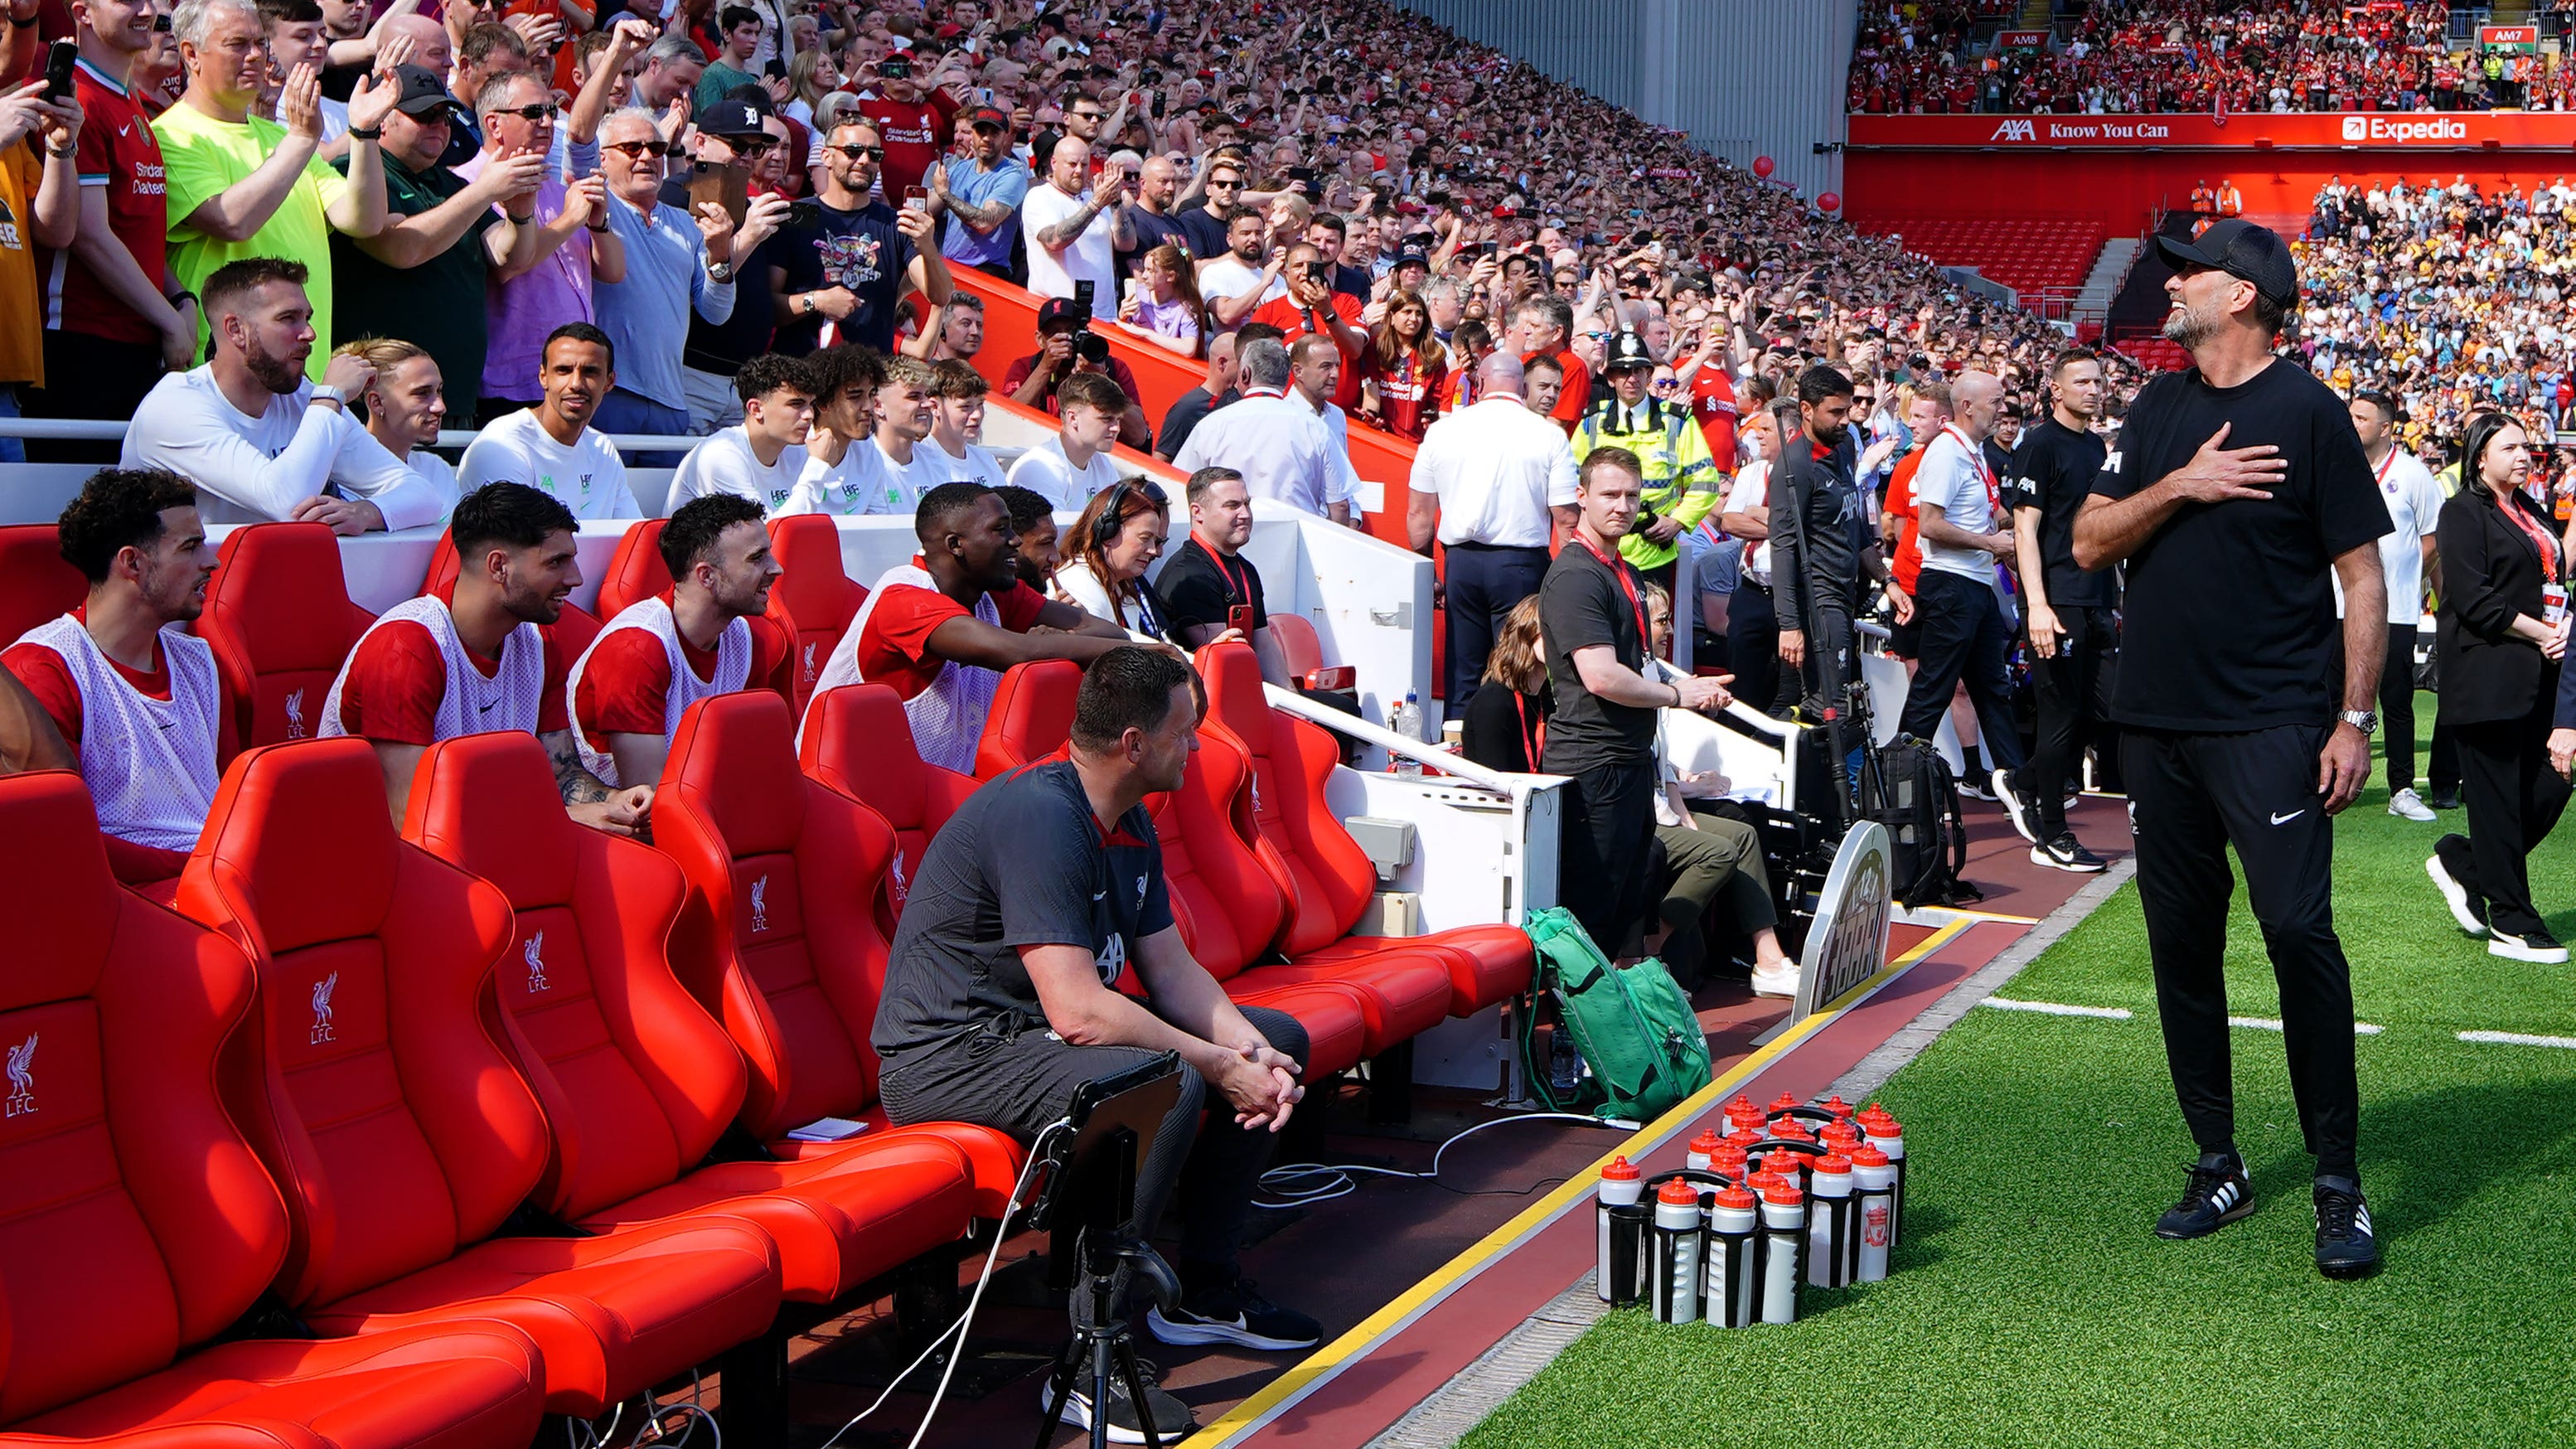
<point x="2515" y="1038"/>
<point x="2053" y="1008"/>
<point x="2265" y="1023"/>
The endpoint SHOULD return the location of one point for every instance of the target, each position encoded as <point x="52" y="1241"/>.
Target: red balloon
<point x="1763" y="166"/>
<point x="1828" y="201"/>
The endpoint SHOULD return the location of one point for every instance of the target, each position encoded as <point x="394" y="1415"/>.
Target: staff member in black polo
<point x="2066" y="611"/>
<point x="1040" y="895"/>
<point x="2236" y="486"/>
<point x="2503" y="635"/>
<point x="1592" y="617"/>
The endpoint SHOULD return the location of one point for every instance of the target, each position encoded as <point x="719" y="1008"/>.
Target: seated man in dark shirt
<point x="1207" y="586"/>
<point x="1032" y="380"/>
<point x="1198" y="402"/>
<point x="1043" y="893"/>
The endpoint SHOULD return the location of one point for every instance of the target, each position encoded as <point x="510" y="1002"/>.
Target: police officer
<point x="2235" y="490"/>
<point x="1683" y="484"/>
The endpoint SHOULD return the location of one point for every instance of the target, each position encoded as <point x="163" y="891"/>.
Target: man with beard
<point x="701" y="637"/>
<point x="478" y="655"/>
<point x="124" y="683"/>
<point x="1820" y="540"/>
<point x="267" y="444"/>
<point x="853" y="258"/>
<point x="2237" y="489"/>
<point x="552" y="446"/>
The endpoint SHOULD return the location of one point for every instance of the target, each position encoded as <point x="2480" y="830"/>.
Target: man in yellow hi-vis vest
<point x="1683" y="484"/>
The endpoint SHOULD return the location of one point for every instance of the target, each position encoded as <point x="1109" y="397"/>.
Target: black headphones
<point x="1104" y="529"/>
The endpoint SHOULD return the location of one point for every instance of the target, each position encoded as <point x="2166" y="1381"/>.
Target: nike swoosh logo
<point x="2293" y="815"/>
<point x="485" y="708"/>
<point x="1100" y="895"/>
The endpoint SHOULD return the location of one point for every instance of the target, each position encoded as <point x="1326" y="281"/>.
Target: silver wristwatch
<point x="2364" y="720"/>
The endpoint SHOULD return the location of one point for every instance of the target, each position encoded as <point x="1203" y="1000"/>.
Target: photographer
<point x="1067" y="346"/>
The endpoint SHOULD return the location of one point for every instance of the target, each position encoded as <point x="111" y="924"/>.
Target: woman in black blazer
<point x="2503" y="632"/>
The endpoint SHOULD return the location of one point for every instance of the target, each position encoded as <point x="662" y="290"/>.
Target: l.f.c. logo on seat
<point x="295" y="715"/>
<point x="535" y="954"/>
<point x="322" y="990"/>
<point x="22" y="1078"/>
<point x="760" y="904"/>
<point x="809" y="662"/>
<point x="902" y="887"/>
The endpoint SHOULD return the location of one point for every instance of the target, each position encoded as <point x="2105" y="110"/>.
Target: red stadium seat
<point x="1297" y="641"/>
<point x="136" y="1224"/>
<point x="638" y="1082"/>
<point x="781" y="938"/>
<point x="858" y="742"/>
<point x="443" y="563"/>
<point x="814" y="599"/>
<point x="36" y="584"/>
<point x="1326" y="878"/>
<point x="636" y="571"/>
<point x="280" y="622"/>
<point x="1031" y="718"/>
<point x="401" y="1134"/>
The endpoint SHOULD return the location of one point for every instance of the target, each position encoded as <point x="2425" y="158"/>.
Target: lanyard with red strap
<point x="1627" y="586"/>
<point x="1238" y="591"/>
<point x="1985" y="475"/>
<point x="2540" y="539"/>
<point x="1533" y="736"/>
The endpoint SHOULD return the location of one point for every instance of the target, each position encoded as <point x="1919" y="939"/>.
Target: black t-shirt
<point x="1188" y="411"/>
<point x="1022" y="863"/>
<point x="861" y="250"/>
<point x="2229" y="621"/>
<point x="2053" y="472"/>
<point x="1581" y="604"/>
<point x="1198" y="588"/>
<point x="1500" y="721"/>
<point x="1151" y="231"/>
<point x="723" y="347"/>
<point x="1206" y="234"/>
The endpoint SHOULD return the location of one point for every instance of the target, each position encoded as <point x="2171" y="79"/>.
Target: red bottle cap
<point x="1868" y="1157"/>
<point x="1621" y="1170"/>
<point x="1831" y="1163"/>
<point x="1836" y="1105"/>
<point x="1677" y="1192"/>
<point x="1734" y="1197"/>
<point x="1783" y="1194"/>
<point x="1743" y="1137"/>
<point x="1784" y="1104"/>
<point x="1741" y="1109"/>
<point x="1705" y="1144"/>
<point x="1766" y="1178"/>
<point x="1789" y="1129"/>
<point x="1839" y="1132"/>
<point x="1727" y="1159"/>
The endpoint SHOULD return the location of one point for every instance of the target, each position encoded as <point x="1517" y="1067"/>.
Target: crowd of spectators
<point x="2218" y="56"/>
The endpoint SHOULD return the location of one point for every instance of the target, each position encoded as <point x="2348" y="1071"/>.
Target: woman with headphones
<point x="1107" y="551"/>
<point x="2503" y="635"/>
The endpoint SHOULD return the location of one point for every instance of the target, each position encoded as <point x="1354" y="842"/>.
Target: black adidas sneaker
<point x="2346" y="1247"/>
<point x="2219" y="1194"/>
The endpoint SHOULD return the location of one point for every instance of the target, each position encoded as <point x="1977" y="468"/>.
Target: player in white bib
<point x="761" y="457"/>
<point x="124" y="682"/>
<point x="480" y="656"/>
<point x="705" y="637"/>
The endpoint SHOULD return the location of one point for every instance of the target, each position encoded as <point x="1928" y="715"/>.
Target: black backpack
<point x="1913" y="797"/>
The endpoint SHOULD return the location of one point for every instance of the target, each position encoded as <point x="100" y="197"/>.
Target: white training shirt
<point x="1952" y="475"/>
<point x="1751" y="490"/>
<point x="1089" y="259"/>
<point x="2414" y="505"/>
<point x="149" y="763"/>
<point x="587" y="476"/>
<point x="473" y="704"/>
<point x="253" y="469"/>
<point x="1045" y="469"/>
<point x="1497" y="468"/>
<point x="859" y="483"/>
<point x="725" y="463"/>
<point x="977" y="466"/>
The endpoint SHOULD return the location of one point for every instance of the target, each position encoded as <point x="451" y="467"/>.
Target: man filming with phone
<point x="1313" y="306"/>
<point x="853" y="257"/>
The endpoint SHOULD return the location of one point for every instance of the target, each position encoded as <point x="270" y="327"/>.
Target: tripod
<point x="1108" y="1345"/>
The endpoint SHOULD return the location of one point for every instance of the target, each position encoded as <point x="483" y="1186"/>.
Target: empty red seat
<point x="36" y="583"/>
<point x="443" y="564"/>
<point x="638" y="1082"/>
<point x="280" y="622"/>
<point x="1031" y="717"/>
<point x="1326" y="878"/>
<point x="136" y="1224"/>
<point x="814" y="599"/>
<point x="858" y="741"/>
<point x="636" y="571"/>
<point x="781" y="939"/>
<point x="402" y="1136"/>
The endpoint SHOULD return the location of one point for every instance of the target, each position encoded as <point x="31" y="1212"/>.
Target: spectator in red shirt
<point x="1032" y="381"/>
<point x="1540" y="325"/>
<point x="1407" y="369"/>
<point x="702" y="636"/>
<point x="481" y="654"/>
<point x="1313" y="306"/>
<point x="133" y="696"/>
<point x="912" y="125"/>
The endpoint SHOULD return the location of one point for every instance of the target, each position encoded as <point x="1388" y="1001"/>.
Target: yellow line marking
<point x="1317" y="1368"/>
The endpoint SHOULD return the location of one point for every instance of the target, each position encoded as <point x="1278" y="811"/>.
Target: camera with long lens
<point x="1091" y="347"/>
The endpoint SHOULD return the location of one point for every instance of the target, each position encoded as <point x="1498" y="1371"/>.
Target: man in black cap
<point x="1682" y="482"/>
<point x="1067" y="345"/>
<point x="982" y="193"/>
<point x="1412" y="268"/>
<point x="2236" y="486"/>
<point x="423" y="277"/>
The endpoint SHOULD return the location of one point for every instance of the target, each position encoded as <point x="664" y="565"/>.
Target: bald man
<point x="1492" y="482"/>
<point x="1150" y="216"/>
<point x="1966" y="618"/>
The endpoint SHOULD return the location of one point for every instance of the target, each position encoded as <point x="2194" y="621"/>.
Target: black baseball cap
<point x="983" y="116"/>
<point x="1060" y="313"/>
<point x="1411" y="258"/>
<point x="420" y="94"/>
<point x="2240" y="249"/>
<point x="731" y="118"/>
<point x="1628" y="350"/>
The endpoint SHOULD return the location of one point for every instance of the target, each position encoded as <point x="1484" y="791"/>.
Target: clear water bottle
<point x="1408" y="723"/>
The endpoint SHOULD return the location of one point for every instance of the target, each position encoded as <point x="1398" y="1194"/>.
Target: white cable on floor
<point x="1037" y="1154"/>
<point x="1330" y="1180"/>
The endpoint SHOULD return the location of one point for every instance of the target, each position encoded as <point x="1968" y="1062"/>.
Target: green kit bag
<point x="1634" y="1027"/>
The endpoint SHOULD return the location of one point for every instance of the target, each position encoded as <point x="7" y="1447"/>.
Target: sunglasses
<point x="1087" y="115"/>
<point x="751" y="147"/>
<point x="860" y="153"/>
<point x="160" y="24"/>
<point x="633" y="149"/>
<point x="541" y="111"/>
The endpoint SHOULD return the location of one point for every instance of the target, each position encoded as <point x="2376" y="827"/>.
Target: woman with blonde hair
<point x="405" y="405"/>
<point x="1407" y="368"/>
<point x="1109" y="548"/>
<point x="811" y="76"/>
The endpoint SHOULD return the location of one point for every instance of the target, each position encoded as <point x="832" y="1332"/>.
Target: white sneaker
<point x="2537" y="947"/>
<point x="2407" y="805"/>
<point x="1776" y="981"/>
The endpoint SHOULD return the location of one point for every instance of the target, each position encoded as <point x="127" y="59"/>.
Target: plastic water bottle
<point x="1885" y="1133"/>
<point x="1564" y="1064"/>
<point x="1408" y="723"/>
<point x="1829" y="1223"/>
<point x="1784" y="1234"/>
<point x="1621" y="1186"/>
<point x="1727" y="1297"/>
<point x="1677" y="1244"/>
<point x="1742" y="1116"/>
<point x="1702" y="1148"/>
<point x="1874" y="1196"/>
